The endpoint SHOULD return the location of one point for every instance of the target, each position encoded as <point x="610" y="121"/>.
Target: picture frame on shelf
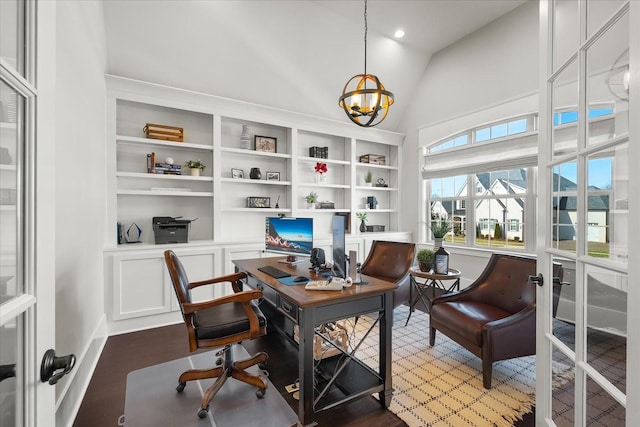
<point x="237" y="173"/>
<point x="258" y="202"/>
<point x="273" y="176"/>
<point x="267" y="144"/>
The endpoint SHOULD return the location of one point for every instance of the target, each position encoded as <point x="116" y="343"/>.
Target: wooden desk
<point x="294" y="305"/>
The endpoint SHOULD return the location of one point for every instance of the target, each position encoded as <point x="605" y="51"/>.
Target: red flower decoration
<point x="321" y="167"/>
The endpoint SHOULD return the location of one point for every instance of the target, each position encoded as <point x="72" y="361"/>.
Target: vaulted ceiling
<point x="296" y="55"/>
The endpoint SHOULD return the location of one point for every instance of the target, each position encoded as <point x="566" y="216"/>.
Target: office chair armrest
<point x="244" y="296"/>
<point x="232" y="278"/>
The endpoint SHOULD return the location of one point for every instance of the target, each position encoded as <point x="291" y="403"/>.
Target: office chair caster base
<point x="181" y="387"/>
<point x="202" y="413"/>
<point x="260" y="393"/>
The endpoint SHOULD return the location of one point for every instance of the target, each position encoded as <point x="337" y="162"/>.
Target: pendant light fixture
<point x="364" y="98"/>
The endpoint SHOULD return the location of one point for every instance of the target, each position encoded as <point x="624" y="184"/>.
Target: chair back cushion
<point x="389" y="261"/>
<point x="505" y="283"/>
<point x="178" y="277"/>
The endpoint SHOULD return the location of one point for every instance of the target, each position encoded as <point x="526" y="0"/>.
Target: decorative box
<point x="319" y="152"/>
<point x="258" y="202"/>
<point x="167" y="133"/>
<point x="326" y="205"/>
<point x="375" y="228"/>
<point x="374" y="159"/>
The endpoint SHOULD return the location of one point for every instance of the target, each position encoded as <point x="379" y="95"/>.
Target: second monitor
<point x="338" y="226"/>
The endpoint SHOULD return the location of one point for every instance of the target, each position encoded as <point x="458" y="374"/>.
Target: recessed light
<point x="399" y="34"/>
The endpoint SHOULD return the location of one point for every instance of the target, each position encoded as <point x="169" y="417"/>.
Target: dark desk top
<point x="298" y="294"/>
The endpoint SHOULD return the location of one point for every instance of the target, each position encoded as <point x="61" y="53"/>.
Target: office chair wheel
<point x="260" y="393"/>
<point x="181" y="387"/>
<point x="202" y="413"/>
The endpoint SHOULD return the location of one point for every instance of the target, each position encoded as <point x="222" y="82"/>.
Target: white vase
<point x="437" y="243"/>
<point x="321" y="178"/>
<point x="245" y="139"/>
<point x="311" y="205"/>
<point x="195" y="172"/>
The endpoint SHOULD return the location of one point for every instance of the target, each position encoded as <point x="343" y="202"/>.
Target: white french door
<point x="27" y="292"/>
<point x="587" y="186"/>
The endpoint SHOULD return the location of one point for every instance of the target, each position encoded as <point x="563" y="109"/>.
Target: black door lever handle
<point x="538" y="280"/>
<point x="51" y="363"/>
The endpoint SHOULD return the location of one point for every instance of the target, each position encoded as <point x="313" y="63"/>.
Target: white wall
<point x="497" y="63"/>
<point x="79" y="187"/>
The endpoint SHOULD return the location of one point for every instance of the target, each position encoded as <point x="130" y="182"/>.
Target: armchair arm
<point x="243" y="297"/>
<point x="512" y="336"/>
<point x="232" y="278"/>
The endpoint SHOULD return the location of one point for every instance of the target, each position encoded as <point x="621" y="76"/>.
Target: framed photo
<point x="258" y="202"/>
<point x="267" y="144"/>
<point x="237" y="173"/>
<point x="273" y="176"/>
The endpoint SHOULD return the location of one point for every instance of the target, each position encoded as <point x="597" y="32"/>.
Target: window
<point x="498" y="204"/>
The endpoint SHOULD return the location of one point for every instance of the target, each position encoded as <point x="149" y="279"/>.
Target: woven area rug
<point x="442" y="385"/>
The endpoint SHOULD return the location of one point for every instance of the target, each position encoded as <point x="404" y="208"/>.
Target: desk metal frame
<point x="433" y="281"/>
<point x="309" y="309"/>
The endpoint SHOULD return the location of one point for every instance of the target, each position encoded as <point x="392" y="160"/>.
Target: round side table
<point x="432" y="281"/>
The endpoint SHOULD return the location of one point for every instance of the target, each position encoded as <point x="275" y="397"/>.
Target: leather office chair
<point x="391" y="261"/>
<point x="495" y="317"/>
<point x="220" y="322"/>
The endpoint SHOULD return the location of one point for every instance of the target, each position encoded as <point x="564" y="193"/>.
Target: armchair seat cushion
<point x="224" y="320"/>
<point x="468" y="318"/>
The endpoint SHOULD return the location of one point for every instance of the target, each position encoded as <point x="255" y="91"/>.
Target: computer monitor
<point x="289" y="236"/>
<point x="339" y="246"/>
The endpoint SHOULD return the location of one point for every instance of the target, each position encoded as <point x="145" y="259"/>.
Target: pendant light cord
<point x="365" y="37"/>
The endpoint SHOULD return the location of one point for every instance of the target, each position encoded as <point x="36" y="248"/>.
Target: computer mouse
<point x="300" y="279"/>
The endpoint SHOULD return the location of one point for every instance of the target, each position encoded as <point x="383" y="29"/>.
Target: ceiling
<point x="295" y="55"/>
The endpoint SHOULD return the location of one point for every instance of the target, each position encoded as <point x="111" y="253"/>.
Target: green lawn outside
<point x="596" y="249"/>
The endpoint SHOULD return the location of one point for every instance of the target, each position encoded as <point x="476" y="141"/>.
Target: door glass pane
<point x="564" y="204"/>
<point x="607" y="323"/>
<point x="11" y="372"/>
<point x="602" y="409"/>
<point x="564" y="98"/>
<point x="607" y="204"/>
<point x="10" y="286"/>
<point x="598" y="11"/>
<point x="12" y="33"/>
<point x="608" y="84"/>
<point x="566" y="31"/>
<point x="563" y="389"/>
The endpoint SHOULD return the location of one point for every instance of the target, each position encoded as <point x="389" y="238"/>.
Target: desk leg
<point x="386" y="324"/>
<point x="305" y="367"/>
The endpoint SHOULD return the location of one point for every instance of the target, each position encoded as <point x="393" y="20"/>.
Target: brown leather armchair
<point x="221" y="322"/>
<point x="390" y="261"/>
<point x="495" y="317"/>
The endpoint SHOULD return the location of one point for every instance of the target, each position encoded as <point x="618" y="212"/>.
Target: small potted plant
<point x="196" y="166"/>
<point x="311" y="199"/>
<point x="362" y="216"/>
<point x="321" y="170"/>
<point x="368" y="179"/>
<point x="439" y="228"/>
<point x="425" y="259"/>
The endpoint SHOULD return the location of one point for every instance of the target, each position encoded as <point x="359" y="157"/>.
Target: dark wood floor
<point x="103" y="403"/>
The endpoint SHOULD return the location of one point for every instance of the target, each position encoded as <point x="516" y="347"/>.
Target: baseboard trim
<point x="70" y="398"/>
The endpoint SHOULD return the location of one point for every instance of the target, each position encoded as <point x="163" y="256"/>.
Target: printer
<point x="168" y="229"/>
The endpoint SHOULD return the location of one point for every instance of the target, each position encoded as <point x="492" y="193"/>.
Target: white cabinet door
<point x="140" y="286"/>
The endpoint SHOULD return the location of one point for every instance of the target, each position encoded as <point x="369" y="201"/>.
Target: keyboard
<point x="325" y="285"/>
<point x="274" y="272"/>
